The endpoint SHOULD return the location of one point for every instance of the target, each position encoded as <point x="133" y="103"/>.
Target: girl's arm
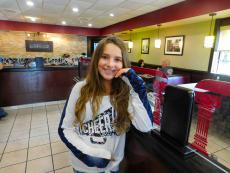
<point x="139" y="106"/>
<point x="91" y="156"/>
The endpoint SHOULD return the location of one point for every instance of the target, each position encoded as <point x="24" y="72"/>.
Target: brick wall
<point x="12" y="44"/>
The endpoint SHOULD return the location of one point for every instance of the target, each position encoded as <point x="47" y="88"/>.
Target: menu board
<point x="39" y="46"/>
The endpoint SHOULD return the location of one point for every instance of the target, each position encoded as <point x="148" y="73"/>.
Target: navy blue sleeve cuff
<point x="139" y="87"/>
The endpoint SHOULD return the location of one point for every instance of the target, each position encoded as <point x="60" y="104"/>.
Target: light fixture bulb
<point x="75" y="9"/>
<point x="130" y="44"/>
<point x="158" y="43"/>
<point x="30" y="3"/>
<point x="209" y="41"/>
<point x="158" y="40"/>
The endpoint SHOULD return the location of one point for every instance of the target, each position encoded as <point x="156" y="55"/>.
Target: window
<point x="221" y="56"/>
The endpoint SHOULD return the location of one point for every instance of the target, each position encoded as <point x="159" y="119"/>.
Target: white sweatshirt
<point x="92" y="146"/>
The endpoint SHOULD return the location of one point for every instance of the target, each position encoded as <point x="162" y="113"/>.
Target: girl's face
<point x="110" y="62"/>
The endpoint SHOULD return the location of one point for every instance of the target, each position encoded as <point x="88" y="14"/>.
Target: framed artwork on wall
<point x="38" y="46"/>
<point x="145" y="45"/>
<point x="126" y="45"/>
<point x="174" y="45"/>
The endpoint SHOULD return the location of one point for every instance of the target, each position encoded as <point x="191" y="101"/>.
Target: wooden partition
<point x="32" y="85"/>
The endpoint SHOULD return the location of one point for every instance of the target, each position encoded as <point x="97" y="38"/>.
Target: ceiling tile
<point x="93" y="11"/>
<point x="23" y="6"/>
<point x="81" y="5"/>
<point x="54" y="8"/>
<point x="56" y="2"/>
<point x="8" y="4"/>
<point x="131" y="5"/>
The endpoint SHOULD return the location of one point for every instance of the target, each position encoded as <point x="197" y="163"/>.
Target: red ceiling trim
<point x="34" y="27"/>
<point x="185" y="9"/>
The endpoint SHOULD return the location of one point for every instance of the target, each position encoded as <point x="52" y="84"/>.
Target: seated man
<point x="2" y="112"/>
<point x="165" y="67"/>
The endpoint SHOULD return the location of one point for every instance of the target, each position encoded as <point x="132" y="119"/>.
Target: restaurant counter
<point x="20" y="85"/>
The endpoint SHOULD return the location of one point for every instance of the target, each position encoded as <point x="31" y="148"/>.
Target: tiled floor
<point x="29" y="142"/>
<point x="218" y="145"/>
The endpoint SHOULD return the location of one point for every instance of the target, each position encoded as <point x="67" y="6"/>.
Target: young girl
<point x="101" y="109"/>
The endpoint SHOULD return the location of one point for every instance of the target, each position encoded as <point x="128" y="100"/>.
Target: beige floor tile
<point x="39" y="140"/>
<point x="224" y="155"/>
<point x="16" y="145"/>
<point x="53" y="129"/>
<point x="13" y="158"/>
<point x="219" y="141"/>
<point x="223" y="162"/>
<point x="38" y="132"/>
<point x="68" y="169"/>
<point x="2" y="146"/>
<point x="39" y="118"/>
<point x="41" y="165"/>
<point x="213" y="147"/>
<point x="24" y="111"/>
<point x="19" y="136"/>
<point x="4" y="131"/>
<point x="39" y="110"/>
<point x="38" y="106"/>
<point x="58" y="147"/>
<point x="51" y="108"/>
<point x="39" y="151"/>
<point x="4" y="138"/>
<point x="55" y="113"/>
<point x="61" y="160"/>
<point x="54" y="137"/>
<point x="18" y="168"/>
<point x="39" y="124"/>
<point x="21" y="129"/>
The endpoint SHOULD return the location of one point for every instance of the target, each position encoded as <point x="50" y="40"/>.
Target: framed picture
<point x="145" y="45"/>
<point x="38" y="46"/>
<point x="174" y="45"/>
<point x="126" y="45"/>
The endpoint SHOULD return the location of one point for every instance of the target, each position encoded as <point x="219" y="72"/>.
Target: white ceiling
<point x="95" y="12"/>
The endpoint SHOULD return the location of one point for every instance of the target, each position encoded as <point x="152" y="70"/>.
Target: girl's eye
<point x="118" y="59"/>
<point x="104" y="56"/>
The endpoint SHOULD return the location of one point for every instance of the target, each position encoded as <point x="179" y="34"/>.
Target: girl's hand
<point x="121" y="71"/>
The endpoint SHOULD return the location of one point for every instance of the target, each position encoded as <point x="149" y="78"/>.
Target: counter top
<point x="45" y="68"/>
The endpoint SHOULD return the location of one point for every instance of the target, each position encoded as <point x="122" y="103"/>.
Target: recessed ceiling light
<point x="33" y="19"/>
<point x="63" y="22"/>
<point x="30" y="3"/>
<point x="89" y="24"/>
<point x="75" y="9"/>
<point x="111" y="14"/>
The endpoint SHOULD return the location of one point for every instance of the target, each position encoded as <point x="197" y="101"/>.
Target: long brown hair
<point x="94" y="89"/>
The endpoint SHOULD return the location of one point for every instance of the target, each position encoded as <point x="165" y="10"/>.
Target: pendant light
<point x="209" y="39"/>
<point x="130" y="44"/>
<point x="158" y="40"/>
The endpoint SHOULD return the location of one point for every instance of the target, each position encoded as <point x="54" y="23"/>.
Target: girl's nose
<point x="110" y="62"/>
